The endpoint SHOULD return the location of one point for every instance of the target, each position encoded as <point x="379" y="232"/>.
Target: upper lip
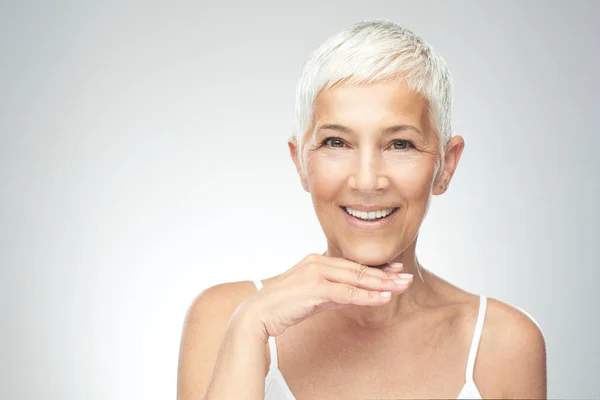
<point x="368" y="207"/>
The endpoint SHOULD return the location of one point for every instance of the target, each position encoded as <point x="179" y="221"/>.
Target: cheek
<point x="410" y="174"/>
<point x="327" y="172"/>
<point x="413" y="176"/>
<point x="414" y="169"/>
<point x="417" y="179"/>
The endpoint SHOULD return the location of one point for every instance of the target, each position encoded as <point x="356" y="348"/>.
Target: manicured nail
<point x="396" y="265"/>
<point x="404" y="279"/>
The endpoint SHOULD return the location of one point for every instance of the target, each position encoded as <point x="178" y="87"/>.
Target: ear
<point x="453" y="150"/>
<point x="293" y="147"/>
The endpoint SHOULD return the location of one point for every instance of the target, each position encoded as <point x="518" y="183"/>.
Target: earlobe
<point x="453" y="152"/>
<point x="305" y="186"/>
<point x="441" y="187"/>
<point x="440" y="183"/>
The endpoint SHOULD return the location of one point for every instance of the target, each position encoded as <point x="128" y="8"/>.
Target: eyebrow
<point x="386" y="131"/>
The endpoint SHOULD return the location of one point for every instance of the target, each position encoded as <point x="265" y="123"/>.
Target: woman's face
<point x="373" y="150"/>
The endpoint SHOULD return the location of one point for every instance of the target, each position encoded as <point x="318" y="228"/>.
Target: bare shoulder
<point x="205" y="324"/>
<point x="219" y="301"/>
<point x="513" y="352"/>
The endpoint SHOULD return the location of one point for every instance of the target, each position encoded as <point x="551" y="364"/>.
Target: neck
<point x="417" y="297"/>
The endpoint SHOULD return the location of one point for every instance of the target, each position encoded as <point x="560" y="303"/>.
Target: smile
<point x="375" y="215"/>
<point x="372" y="219"/>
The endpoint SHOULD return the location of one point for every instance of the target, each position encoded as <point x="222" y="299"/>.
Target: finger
<point x="344" y="263"/>
<point x="397" y="283"/>
<point x="394" y="267"/>
<point x="342" y="293"/>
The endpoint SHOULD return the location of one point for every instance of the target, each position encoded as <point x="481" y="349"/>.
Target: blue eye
<point x="339" y="143"/>
<point x="402" y="144"/>
<point x="333" y="142"/>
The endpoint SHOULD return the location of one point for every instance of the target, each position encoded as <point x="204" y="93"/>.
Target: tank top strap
<point x="476" y="338"/>
<point x="273" y="352"/>
<point x="258" y="284"/>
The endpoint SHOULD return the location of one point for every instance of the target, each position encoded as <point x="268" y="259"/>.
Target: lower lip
<point x="370" y="226"/>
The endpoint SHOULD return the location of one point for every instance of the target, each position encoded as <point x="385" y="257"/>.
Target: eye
<point x="333" y="142"/>
<point x="402" y="144"/>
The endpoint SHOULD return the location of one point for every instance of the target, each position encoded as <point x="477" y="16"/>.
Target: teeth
<point x="371" y="215"/>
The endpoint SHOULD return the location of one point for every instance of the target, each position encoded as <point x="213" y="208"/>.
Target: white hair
<point x="369" y="52"/>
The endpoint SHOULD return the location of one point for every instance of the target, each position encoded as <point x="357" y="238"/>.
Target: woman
<point x="373" y="143"/>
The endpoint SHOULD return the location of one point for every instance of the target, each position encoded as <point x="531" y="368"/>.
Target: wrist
<point x="246" y="321"/>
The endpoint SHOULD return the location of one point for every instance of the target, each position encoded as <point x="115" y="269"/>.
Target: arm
<point x="241" y="364"/>
<point x="211" y="337"/>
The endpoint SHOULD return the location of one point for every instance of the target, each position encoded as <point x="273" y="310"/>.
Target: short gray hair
<point x="369" y="52"/>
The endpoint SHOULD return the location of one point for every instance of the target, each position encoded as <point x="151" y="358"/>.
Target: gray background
<point x="143" y="158"/>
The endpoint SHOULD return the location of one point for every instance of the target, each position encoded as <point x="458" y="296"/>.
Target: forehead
<point x="363" y="105"/>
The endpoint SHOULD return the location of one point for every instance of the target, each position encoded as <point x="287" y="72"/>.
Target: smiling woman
<point x="384" y="157"/>
<point x="365" y="319"/>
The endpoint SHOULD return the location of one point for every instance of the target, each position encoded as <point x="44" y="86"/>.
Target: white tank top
<point x="276" y="388"/>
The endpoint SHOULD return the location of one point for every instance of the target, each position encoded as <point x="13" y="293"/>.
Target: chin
<point x="371" y="254"/>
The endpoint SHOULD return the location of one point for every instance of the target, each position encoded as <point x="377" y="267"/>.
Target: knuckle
<point x="352" y="291"/>
<point x="360" y="273"/>
<point x="312" y="257"/>
<point x="312" y="267"/>
<point x="313" y="270"/>
<point x="388" y="275"/>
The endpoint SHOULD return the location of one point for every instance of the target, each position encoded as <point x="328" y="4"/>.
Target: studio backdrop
<point x="143" y="159"/>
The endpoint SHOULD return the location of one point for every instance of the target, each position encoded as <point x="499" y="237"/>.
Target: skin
<point x="414" y="346"/>
<point x="361" y="163"/>
<point x="365" y="165"/>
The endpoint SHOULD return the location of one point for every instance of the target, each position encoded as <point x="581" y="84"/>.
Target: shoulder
<point x="516" y="333"/>
<point x="515" y="351"/>
<point x="217" y="303"/>
<point x="205" y="324"/>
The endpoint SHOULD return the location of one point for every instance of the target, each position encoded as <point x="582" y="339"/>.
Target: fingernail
<point x="396" y="265"/>
<point x="404" y="279"/>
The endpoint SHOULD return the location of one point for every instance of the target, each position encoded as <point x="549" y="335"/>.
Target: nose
<point x="368" y="174"/>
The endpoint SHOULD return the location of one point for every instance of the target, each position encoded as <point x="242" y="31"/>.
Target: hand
<point x="319" y="283"/>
